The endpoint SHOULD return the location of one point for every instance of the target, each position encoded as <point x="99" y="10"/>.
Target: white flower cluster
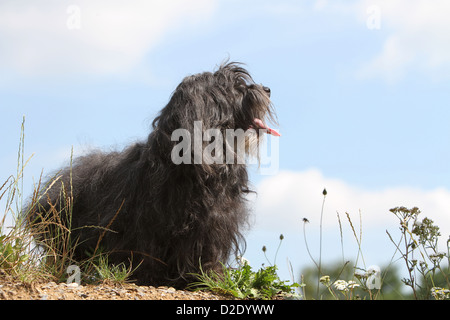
<point x="440" y="293"/>
<point x="343" y="285"/>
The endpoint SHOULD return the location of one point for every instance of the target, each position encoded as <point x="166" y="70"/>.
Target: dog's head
<point x="224" y="100"/>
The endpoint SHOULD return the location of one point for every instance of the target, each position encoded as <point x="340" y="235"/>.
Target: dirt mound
<point x="16" y="290"/>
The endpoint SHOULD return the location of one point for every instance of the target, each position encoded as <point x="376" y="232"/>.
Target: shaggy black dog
<point x="171" y="217"/>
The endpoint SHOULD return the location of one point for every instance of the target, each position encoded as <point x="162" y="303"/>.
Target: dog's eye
<point x="266" y="89"/>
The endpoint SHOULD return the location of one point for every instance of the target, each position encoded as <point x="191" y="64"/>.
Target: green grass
<point x="244" y="283"/>
<point x="110" y="273"/>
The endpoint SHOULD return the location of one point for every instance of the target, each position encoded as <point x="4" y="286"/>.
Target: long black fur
<point x="172" y="218"/>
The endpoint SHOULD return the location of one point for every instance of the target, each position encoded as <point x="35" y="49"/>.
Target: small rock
<point x="49" y="285"/>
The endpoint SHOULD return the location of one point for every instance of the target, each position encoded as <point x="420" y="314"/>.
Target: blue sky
<point x="360" y="88"/>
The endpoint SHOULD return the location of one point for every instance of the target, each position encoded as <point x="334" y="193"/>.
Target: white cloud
<point x="415" y="33"/>
<point x="100" y="37"/>
<point x="285" y="199"/>
<point x="417" y="38"/>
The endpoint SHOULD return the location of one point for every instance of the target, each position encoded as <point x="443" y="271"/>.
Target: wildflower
<point x="242" y="261"/>
<point x="341" y="285"/>
<point x="352" y="285"/>
<point x="360" y="275"/>
<point x="437" y="257"/>
<point x="325" y="280"/>
<point x="440" y="293"/>
<point x="423" y="265"/>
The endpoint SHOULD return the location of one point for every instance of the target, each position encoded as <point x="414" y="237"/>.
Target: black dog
<point x="171" y="217"/>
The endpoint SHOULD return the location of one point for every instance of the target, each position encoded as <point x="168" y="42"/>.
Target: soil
<point x="16" y="290"/>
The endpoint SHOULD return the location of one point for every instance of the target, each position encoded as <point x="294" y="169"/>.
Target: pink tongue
<point x="263" y="126"/>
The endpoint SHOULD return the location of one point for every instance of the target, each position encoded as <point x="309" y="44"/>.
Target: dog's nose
<point x="267" y="90"/>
